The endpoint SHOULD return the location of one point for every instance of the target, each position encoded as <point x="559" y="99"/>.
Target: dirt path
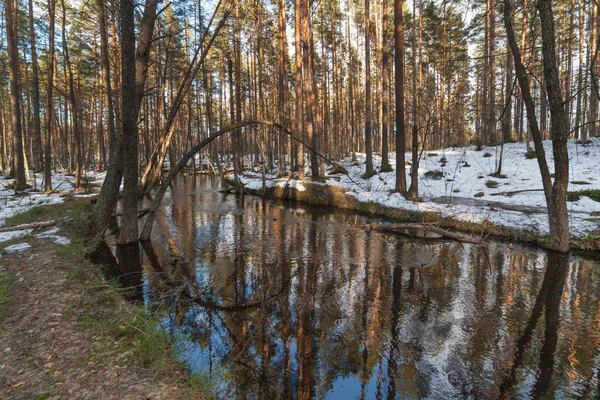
<point x="52" y="343"/>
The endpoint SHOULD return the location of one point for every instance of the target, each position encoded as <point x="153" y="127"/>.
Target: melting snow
<point x="465" y="173"/>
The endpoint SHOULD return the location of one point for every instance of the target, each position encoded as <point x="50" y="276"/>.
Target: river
<point x="268" y="299"/>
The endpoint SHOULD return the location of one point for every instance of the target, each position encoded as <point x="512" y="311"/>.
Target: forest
<point x="342" y="77"/>
<point x="429" y="133"/>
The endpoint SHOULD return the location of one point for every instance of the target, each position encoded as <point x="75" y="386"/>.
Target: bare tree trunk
<point x="306" y="79"/>
<point x="238" y="162"/>
<point x="282" y="82"/>
<point x="110" y="188"/>
<point x="508" y="94"/>
<point x="10" y="13"/>
<point x="555" y="195"/>
<point x="35" y="97"/>
<point x="73" y="101"/>
<point x="413" y="191"/>
<point x="580" y="75"/>
<point x="351" y="102"/>
<point x="49" y="103"/>
<point x="129" y="226"/>
<point x="108" y="197"/>
<point x="593" y="72"/>
<point x="491" y="110"/>
<point x="385" y="87"/>
<point x="368" y="146"/>
<point x="559" y="126"/>
<point x="317" y="111"/>
<point x="298" y="120"/>
<point x="400" y="128"/>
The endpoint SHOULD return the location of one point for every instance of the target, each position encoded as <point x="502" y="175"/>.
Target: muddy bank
<point x="318" y="193"/>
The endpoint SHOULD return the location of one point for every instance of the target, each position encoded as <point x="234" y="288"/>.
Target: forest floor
<point x="68" y="333"/>
<point x="462" y="184"/>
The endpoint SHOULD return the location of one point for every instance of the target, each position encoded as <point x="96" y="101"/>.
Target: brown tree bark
<point x="73" y="100"/>
<point x="559" y="130"/>
<point x="368" y="145"/>
<point x="385" y="87"/>
<point x="413" y="191"/>
<point x="282" y="81"/>
<point x="109" y="192"/>
<point x="580" y="74"/>
<point x="306" y="81"/>
<point x="508" y="95"/>
<point x="400" y="128"/>
<point x="555" y="194"/>
<point x="10" y="14"/>
<point x="35" y="96"/>
<point x="298" y="120"/>
<point x="129" y="227"/>
<point x="594" y="68"/>
<point x="49" y="117"/>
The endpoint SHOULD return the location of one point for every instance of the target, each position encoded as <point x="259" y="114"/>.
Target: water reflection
<point x="284" y="301"/>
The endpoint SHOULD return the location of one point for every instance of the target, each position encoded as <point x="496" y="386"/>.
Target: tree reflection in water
<point x="284" y="301"/>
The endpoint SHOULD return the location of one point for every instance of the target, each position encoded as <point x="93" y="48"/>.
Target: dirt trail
<point x="46" y="352"/>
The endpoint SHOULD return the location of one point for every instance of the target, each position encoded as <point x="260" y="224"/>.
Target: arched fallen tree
<point x="147" y="229"/>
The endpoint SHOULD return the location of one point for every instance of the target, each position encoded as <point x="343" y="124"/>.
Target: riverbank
<point x="67" y="332"/>
<point x="458" y="191"/>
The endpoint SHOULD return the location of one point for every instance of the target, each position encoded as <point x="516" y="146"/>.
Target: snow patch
<point x="466" y="172"/>
<point x="15" y="248"/>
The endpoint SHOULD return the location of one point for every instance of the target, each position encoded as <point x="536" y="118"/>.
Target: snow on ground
<point x="15" y="248"/>
<point x="465" y="174"/>
<point x="52" y="235"/>
<point x="11" y="204"/>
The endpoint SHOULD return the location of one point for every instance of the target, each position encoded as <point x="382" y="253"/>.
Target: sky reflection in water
<point x="274" y="300"/>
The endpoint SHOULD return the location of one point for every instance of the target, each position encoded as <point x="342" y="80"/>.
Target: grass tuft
<point x="593" y="194"/>
<point x="437" y="175"/>
<point x="7" y="287"/>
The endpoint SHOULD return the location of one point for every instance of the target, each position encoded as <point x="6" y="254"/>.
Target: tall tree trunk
<point x="237" y="73"/>
<point x="400" y="128"/>
<point x="298" y="120"/>
<point x="482" y="136"/>
<point x="593" y="72"/>
<point x="508" y="95"/>
<point x="108" y="197"/>
<point x="385" y="87"/>
<point x="491" y="110"/>
<point x="317" y="111"/>
<point x="107" y="200"/>
<point x="74" y="104"/>
<point x="49" y="118"/>
<point x="282" y="82"/>
<point x="413" y="191"/>
<point x="580" y="74"/>
<point x="35" y="96"/>
<point x="129" y="227"/>
<point x="10" y="13"/>
<point x="368" y="146"/>
<point x="306" y="81"/>
<point x="559" y="127"/>
<point x="555" y="194"/>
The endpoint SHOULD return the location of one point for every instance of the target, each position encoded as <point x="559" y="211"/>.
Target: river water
<point x="268" y="299"/>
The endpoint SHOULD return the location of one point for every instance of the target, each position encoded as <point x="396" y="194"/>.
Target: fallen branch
<point x="442" y="233"/>
<point x="516" y="192"/>
<point x="30" y="226"/>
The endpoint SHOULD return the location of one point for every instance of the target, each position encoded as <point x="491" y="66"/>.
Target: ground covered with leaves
<point x="67" y="333"/>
